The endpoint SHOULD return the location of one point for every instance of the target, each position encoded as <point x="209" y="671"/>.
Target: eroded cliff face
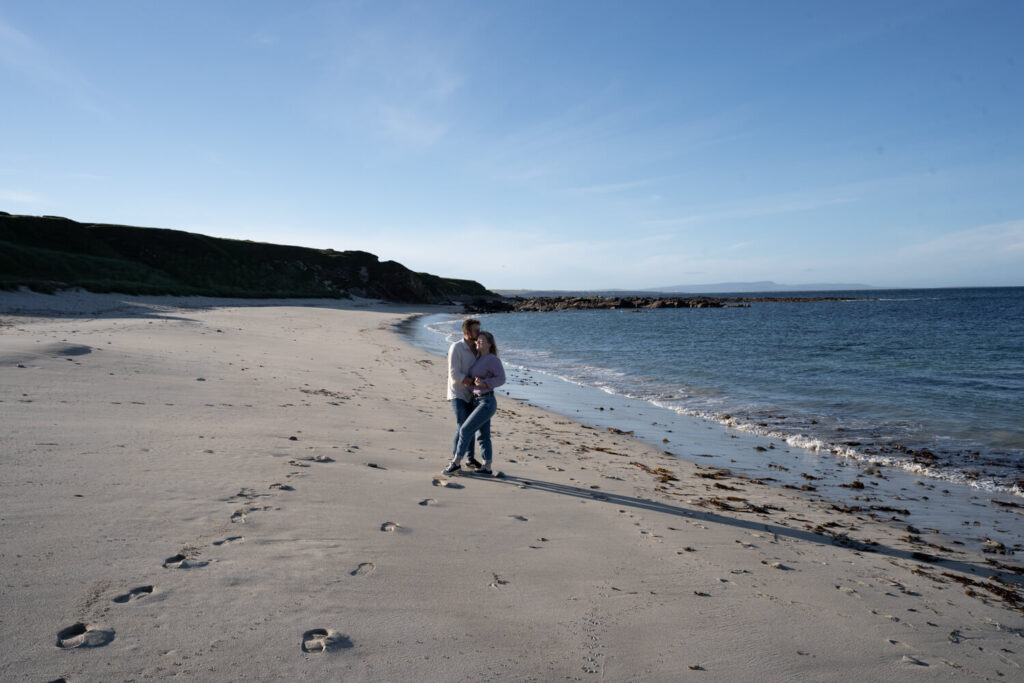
<point x="51" y="252"/>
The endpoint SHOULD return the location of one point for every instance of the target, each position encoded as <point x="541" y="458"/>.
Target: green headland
<point x="49" y="253"/>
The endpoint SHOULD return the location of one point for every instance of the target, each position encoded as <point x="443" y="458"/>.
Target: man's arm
<point x="454" y="374"/>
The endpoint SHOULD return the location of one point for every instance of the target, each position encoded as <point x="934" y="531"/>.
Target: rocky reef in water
<point x="568" y="303"/>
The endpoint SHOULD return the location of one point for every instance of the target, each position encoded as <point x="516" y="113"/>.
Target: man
<point x="461" y="356"/>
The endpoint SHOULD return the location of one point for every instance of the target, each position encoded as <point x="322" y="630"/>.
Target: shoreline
<point x="949" y="505"/>
<point x="271" y="474"/>
<point x="859" y="380"/>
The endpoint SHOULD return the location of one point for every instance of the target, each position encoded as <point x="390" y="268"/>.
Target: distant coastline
<point x="717" y="289"/>
<point x="764" y="286"/>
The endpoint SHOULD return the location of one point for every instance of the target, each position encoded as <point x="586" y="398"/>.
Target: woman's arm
<point x="498" y="370"/>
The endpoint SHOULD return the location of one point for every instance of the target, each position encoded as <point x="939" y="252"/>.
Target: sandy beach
<point x="235" y="490"/>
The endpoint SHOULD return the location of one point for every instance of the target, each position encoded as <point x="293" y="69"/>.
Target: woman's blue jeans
<point x="477" y="422"/>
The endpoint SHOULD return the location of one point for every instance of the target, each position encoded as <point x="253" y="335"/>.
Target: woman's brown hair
<point x="490" y="340"/>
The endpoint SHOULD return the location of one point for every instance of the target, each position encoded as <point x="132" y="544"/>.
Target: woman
<point x="487" y="374"/>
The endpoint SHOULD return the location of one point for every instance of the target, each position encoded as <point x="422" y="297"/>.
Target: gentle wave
<point x="809" y="442"/>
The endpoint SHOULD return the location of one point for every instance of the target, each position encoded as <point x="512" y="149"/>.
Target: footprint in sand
<point x="519" y="517"/>
<point x="244" y="494"/>
<point x="238" y="516"/>
<point x="229" y="540"/>
<point x="304" y="461"/>
<point x="281" y="487"/>
<point x="777" y="565"/>
<point x="363" y="569"/>
<point x="444" y="483"/>
<point x="134" y="594"/>
<point x="890" y="617"/>
<point x="390" y="526"/>
<point x="428" y="501"/>
<point x="320" y="640"/>
<point x="175" y="561"/>
<point x="83" y="635"/>
<point x="180" y="561"/>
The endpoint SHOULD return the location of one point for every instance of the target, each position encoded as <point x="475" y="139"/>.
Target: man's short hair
<point x="468" y="323"/>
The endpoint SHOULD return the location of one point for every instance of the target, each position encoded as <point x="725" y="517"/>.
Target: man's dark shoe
<point x="473" y="463"/>
<point x="452" y="468"/>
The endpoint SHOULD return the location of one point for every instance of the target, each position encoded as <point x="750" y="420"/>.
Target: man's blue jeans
<point x="477" y="422"/>
<point x="462" y="409"/>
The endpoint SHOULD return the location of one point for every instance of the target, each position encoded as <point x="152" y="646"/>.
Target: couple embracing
<point x="474" y="372"/>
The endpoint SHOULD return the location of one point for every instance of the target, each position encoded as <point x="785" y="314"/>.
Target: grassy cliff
<point x="47" y="253"/>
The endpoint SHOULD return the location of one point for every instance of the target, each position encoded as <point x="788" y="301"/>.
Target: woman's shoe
<point x="452" y="468"/>
<point x="473" y="462"/>
<point x="486" y="469"/>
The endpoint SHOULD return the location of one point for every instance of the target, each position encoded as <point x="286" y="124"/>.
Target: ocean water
<point x="928" y="381"/>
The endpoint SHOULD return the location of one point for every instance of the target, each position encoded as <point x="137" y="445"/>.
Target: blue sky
<point x="574" y="145"/>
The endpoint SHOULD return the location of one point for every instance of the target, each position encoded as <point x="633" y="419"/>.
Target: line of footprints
<point x="84" y="635"/>
<point x="314" y="641"/>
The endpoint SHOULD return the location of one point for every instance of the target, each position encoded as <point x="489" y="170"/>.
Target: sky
<point x="538" y="144"/>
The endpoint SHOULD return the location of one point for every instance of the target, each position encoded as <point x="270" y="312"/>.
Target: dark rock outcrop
<point x="590" y="302"/>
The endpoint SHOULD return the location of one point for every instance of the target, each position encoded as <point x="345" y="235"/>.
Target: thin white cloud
<point x="392" y="76"/>
<point x="615" y="187"/>
<point x="438" y="80"/>
<point x="987" y="255"/>
<point x="819" y="198"/>
<point x="18" y="50"/>
<point x="561" y="135"/>
<point x="22" y="54"/>
<point x="409" y="126"/>
<point x="603" y="130"/>
<point x="767" y="208"/>
<point x="526" y="255"/>
<point x="19" y="197"/>
<point x="564" y="142"/>
<point x="1000" y="241"/>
